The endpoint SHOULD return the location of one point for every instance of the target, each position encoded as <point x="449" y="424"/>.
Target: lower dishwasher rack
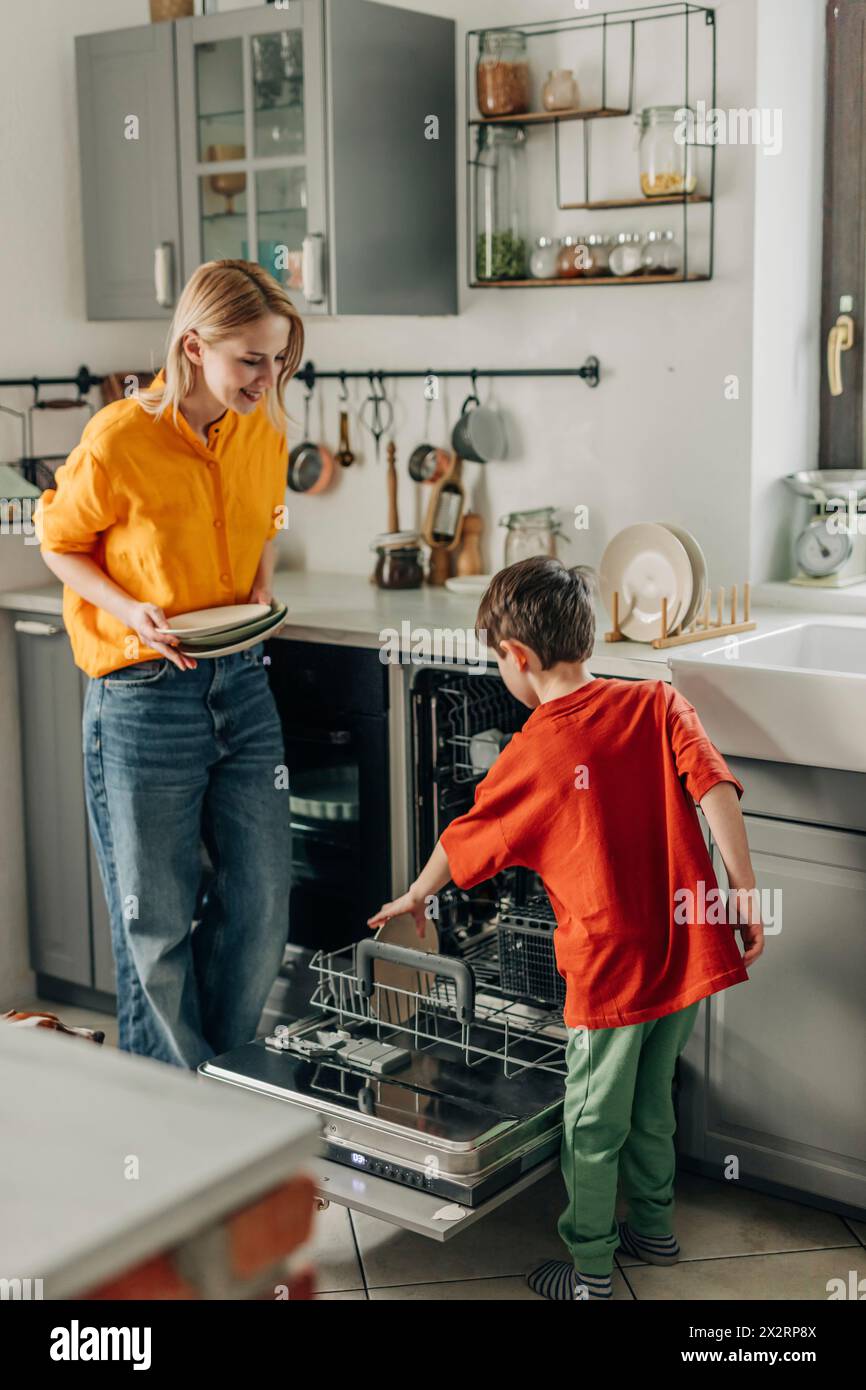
<point x="468" y="1110"/>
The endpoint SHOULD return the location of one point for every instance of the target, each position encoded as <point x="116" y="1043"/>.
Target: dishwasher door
<point x="427" y="1214"/>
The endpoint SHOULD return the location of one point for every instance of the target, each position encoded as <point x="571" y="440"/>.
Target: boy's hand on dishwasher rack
<point x="409" y="903"/>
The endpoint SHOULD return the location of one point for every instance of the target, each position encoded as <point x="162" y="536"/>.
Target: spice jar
<point x="399" y="562"/>
<point x="598" y="248"/>
<point x="530" y="533"/>
<point x="665" y="157"/>
<point x="625" y="258"/>
<point x="559" y="92"/>
<point x="661" y="254"/>
<point x="502" y="73"/>
<point x="542" y="262"/>
<point x="571" y="258"/>
<point x="500" y="203"/>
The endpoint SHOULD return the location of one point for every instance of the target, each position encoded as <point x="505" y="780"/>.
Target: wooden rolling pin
<point x="393" y="519"/>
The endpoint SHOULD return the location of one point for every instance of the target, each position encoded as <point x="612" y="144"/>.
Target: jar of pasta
<point x="502" y="73"/>
<point x="665" y="154"/>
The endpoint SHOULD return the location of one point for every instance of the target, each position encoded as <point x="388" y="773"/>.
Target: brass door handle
<point x="840" y="339"/>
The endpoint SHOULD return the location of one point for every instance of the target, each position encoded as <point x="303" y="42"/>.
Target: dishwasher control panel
<point x="380" y="1167"/>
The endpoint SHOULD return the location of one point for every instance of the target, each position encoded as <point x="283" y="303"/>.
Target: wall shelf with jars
<point x="654" y="52"/>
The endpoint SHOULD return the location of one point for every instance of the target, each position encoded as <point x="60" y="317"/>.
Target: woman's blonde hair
<point x="218" y="299"/>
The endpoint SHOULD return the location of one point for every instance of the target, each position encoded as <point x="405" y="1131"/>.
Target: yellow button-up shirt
<point x="172" y="520"/>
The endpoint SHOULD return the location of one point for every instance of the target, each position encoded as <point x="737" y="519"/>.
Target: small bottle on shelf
<point x="571" y="259"/>
<point x="625" y="258"/>
<point x="662" y="254"/>
<point x="559" y="92"/>
<point x="542" y="262"/>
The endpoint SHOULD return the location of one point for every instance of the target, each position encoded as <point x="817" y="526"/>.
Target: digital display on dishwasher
<point x="359" y="1159"/>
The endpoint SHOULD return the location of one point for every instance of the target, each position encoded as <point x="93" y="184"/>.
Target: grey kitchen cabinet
<point x="69" y="933"/>
<point x="317" y="139"/>
<point x="129" y="170"/>
<point x="773" y="1074"/>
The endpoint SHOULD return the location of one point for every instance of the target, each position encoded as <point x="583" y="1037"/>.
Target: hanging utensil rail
<point x="590" y="372"/>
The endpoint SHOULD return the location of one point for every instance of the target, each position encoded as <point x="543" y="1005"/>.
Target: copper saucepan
<point x="311" y="466"/>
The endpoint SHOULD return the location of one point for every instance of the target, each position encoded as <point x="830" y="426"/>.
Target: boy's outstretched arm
<point x="721" y="806"/>
<point x="435" y="874"/>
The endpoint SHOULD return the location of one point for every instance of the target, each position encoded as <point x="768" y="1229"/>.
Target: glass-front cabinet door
<point x="252" y="143"/>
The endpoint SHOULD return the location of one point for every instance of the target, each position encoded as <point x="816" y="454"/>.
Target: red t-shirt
<point x="597" y="795"/>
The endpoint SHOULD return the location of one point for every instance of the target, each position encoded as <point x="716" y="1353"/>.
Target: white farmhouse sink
<point x="793" y="695"/>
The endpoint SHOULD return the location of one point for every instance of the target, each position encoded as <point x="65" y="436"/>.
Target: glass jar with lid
<point x="542" y="262"/>
<point x="664" y="152"/>
<point x="662" y="254"/>
<point x="625" y="258"/>
<point x="502" y="73"/>
<point x="559" y="92"/>
<point x="398" y="565"/>
<point x="598" y="249"/>
<point x="571" y="258"/>
<point x="531" y="533"/>
<point x="501" y="203"/>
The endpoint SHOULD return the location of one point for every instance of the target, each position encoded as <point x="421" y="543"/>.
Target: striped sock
<point x="558" y="1280"/>
<point x="655" y="1250"/>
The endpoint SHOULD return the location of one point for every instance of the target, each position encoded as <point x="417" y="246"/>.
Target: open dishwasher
<point x="438" y="1078"/>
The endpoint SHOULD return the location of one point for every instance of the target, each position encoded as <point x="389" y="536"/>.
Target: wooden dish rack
<point x="701" y="628"/>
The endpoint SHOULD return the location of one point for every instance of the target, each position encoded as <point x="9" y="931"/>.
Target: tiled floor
<point x="736" y="1244"/>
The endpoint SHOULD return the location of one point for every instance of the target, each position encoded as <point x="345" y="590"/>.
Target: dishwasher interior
<point x="442" y="1074"/>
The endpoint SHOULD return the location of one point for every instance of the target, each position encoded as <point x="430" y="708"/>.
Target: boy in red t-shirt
<point x="597" y="795"/>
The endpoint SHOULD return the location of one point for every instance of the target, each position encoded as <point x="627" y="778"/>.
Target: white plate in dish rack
<point x="699" y="569"/>
<point x="644" y="564"/>
<point x="204" y="622"/>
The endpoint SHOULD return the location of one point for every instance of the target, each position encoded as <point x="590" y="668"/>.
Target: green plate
<point x="235" y="634"/>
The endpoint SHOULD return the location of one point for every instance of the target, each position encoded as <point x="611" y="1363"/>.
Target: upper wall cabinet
<point x="127" y="128"/>
<point x="317" y="139"/>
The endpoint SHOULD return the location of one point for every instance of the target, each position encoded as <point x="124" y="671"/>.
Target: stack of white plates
<point x="212" y="632"/>
<point x="645" y="564"/>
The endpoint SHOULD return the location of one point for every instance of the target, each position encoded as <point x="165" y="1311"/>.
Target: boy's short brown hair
<point x="544" y="605"/>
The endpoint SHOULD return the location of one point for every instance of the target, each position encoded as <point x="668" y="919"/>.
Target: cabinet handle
<point x="840" y="339"/>
<point x="313" y="268"/>
<point x="35" y="629"/>
<point x="163" y="274"/>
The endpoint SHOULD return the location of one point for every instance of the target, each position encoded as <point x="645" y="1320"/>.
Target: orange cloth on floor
<point x="597" y="795"/>
<point x="172" y="520"/>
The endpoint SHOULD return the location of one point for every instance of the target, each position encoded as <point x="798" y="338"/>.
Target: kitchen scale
<point x="831" y="549"/>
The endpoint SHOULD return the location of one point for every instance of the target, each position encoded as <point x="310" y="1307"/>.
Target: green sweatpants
<point x="619" y="1124"/>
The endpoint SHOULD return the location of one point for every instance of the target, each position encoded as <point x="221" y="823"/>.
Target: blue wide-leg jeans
<point x="173" y="758"/>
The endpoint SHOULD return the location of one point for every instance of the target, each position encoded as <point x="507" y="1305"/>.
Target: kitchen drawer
<point x="811" y="795"/>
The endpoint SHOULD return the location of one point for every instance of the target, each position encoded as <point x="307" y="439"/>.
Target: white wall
<point x="788" y="354"/>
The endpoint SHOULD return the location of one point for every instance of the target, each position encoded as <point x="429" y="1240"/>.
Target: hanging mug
<point x="479" y="434"/>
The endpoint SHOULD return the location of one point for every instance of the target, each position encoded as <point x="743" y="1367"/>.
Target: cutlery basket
<point x="527" y="962"/>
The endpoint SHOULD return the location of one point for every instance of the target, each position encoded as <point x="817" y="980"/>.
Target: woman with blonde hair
<point x="171" y="503"/>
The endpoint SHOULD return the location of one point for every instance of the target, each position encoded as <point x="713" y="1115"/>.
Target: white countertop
<point x="808" y="599"/>
<point x="348" y="610"/>
<point x="71" y="1115"/>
